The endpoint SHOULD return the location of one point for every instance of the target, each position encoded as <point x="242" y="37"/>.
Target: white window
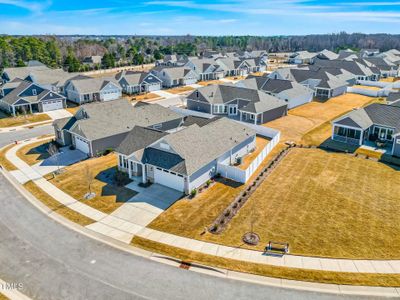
<point x="157" y="126"/>
<point x="34" y="92"/>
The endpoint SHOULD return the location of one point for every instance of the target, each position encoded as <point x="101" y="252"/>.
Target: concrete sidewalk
<point x="123" y="230"/>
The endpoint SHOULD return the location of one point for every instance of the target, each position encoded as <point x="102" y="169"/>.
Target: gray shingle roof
<point x="92" y="85"/>
<point x="379" y="114"/>
<point x="174" y="72"/>
<point x="42" y="75"/>
<point x="119" y="116"/>
<point x="138" y="139"/>
<point x="197" y="146"/>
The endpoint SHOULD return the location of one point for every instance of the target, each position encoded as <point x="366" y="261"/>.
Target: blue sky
<point x="218" y="17"/>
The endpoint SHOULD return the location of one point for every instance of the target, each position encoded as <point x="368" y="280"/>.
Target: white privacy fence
<point x="379" y="84"/>
<point x="242" y="176"/>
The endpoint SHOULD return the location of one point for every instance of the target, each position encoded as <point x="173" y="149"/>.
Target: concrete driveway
<point x="58" y="114"/>
<point x="138" y="212"/>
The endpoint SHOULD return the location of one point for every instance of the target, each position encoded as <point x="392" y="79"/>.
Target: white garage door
<point x="170" y="180"/>
<point x="53" y="105"/>
<point x="108" y="96"/>
<point x="82" y="145"/>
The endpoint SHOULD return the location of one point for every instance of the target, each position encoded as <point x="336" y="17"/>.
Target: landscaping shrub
<point x="193" y="193"/>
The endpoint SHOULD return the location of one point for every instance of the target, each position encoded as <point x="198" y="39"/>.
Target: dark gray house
<point x="97" y="127"/>
<point x="244" y="104"/>
<point x="376" y="125"/>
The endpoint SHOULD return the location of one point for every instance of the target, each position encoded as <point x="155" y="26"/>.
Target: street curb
<point x="198" y="268"/>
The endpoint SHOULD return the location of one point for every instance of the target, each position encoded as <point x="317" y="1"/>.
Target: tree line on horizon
<point x="68" y="51"/>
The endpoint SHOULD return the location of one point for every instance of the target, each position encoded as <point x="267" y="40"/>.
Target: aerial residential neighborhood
<point x="199" y="150"/>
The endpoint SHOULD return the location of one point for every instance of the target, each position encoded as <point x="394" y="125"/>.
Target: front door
<point x="232" y="110"/>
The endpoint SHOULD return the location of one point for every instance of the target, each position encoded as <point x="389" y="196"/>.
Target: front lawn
<point x="8" y="121"/>
<point x="322" y="204"/>
<point x="35" y="152"/>
<point x="180" y="89"/>
<point x="56" y="206"/>
<point x="100" y="172"/>
<point x="325" y="204"/>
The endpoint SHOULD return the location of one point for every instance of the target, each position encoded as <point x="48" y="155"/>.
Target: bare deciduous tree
<point x="89" y="179"/>
<point x="52" y="150"/>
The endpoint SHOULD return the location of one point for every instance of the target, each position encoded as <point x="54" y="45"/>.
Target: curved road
<point x="9" y="137"/>
<point x="55" y="262"/>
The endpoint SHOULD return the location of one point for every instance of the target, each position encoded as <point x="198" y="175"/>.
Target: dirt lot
<point x="305" y="118"/>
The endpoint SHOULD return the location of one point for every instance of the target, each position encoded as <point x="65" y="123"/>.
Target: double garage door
<point x="53" y="105"/>
<point x="169" y="179"/>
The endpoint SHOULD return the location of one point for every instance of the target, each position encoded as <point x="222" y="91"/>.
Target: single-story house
<point x="99" y="126"/>
<point x="138" y="82"/>
<point x="366" y="126"/>
<point x="294" y="94"/>
<point x="184" y="160"/>
<point x="51" y="79"/>
<point x="327" y="54"/>
<point x="234" y="66"/>
<point x="175" y="76"/>
<point x="28" y="97"/>
<point x="302" y="57"/>
<point x="206" y="69"/>
<point x="92" y="60"/>
<point x="324" y="84"/>
<point x="386" y="67"/>
<point x="172" y="60"/>
<point x="244" y="104"/>
<point x="92" y="89"/>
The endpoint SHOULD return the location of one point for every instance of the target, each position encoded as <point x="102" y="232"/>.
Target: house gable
<point x="51" y="96"/>
<point x="30" y="91"/>
<point x="110" y="87"/>
<point x="151" y="79"/>
<point x="21" y="102"/>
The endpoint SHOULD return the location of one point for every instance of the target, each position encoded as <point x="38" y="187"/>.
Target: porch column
<point x="129" y="168"/>
<point x="360" y="141"/>
<point x="143" y="173"/>
<point x="30" y="107"/>
<point x="255" y="119"/>
<point x="13" y="110"/>
<point x="240" y="116"/>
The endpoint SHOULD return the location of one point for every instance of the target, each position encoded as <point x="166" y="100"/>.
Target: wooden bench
<point x="277" y="248"/>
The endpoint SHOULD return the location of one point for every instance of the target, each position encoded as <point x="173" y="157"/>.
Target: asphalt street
<point x="12" y="136"/>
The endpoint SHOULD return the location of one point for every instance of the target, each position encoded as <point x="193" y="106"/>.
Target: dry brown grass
<point x="23" y="120"/>
<point x="235" y="77"/>
<point x="180" y="90"/>
<point x="56" y="206"/>
<point x="148" y="96"/>
<point x="359" y="279"/>
<point x="75" y="183"/>
<point x="389" y="79"/>
<point x="190" y="217"/>
<point x="73" y="110"/>
<point x="4" y="162"/>
<point x="324" y="204"/>
<point x="206" y="83"/>
<point x="3" y="297"/>
<point x="306" y="118"/>
<point x="35" y="152"/>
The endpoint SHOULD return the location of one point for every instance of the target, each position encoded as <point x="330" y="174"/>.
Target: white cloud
<point x="36" y="7"/>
